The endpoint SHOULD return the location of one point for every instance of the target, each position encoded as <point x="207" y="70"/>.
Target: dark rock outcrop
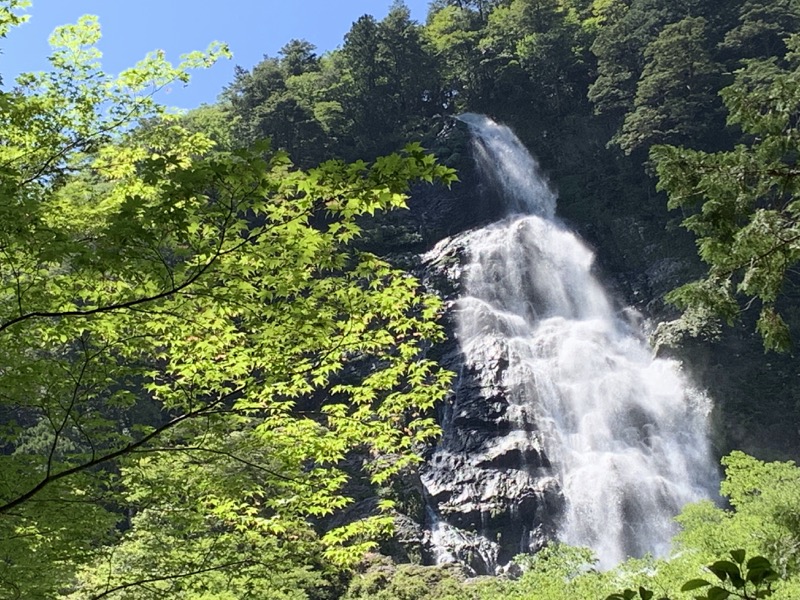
<point x="489" y="487"/>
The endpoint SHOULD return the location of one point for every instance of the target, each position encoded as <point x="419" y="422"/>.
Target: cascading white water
<point x="625" y="434"/>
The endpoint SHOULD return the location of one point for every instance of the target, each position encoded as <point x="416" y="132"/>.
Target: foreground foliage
<point x="761" y="524"/>
<point x="732" y="578"/>
<point x="189" y="345"/>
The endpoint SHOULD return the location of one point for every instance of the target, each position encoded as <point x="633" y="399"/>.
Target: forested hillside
<point x="217" y="374"/>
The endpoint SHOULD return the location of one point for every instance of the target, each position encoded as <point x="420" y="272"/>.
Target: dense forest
<point x="217" y="370"/>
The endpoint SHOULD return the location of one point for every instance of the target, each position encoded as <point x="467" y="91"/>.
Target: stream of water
<point x="626" y="435"/>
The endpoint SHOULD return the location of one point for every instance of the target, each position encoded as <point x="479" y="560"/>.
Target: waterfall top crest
<point x="505" y="162"/>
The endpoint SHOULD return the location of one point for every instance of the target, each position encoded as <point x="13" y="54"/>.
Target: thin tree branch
<point x="142" y="582"/>
<point x="113" y="307"/>
<point x="67" y="412"/>
<point x="221" y="453"/>
<point x="52" y="478"/>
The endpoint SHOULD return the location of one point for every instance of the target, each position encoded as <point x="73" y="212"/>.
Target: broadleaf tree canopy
<point x="190" y="344"/>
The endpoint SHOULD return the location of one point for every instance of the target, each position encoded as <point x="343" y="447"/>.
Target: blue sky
<point x="131" y="28"/>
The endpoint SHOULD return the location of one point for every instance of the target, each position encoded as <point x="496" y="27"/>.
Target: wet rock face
<point x="489" y="486"/>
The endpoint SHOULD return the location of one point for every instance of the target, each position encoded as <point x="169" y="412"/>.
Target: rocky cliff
<point x="473" y="476"/>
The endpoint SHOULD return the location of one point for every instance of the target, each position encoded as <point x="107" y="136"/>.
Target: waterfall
<point x="619" y="433"/>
